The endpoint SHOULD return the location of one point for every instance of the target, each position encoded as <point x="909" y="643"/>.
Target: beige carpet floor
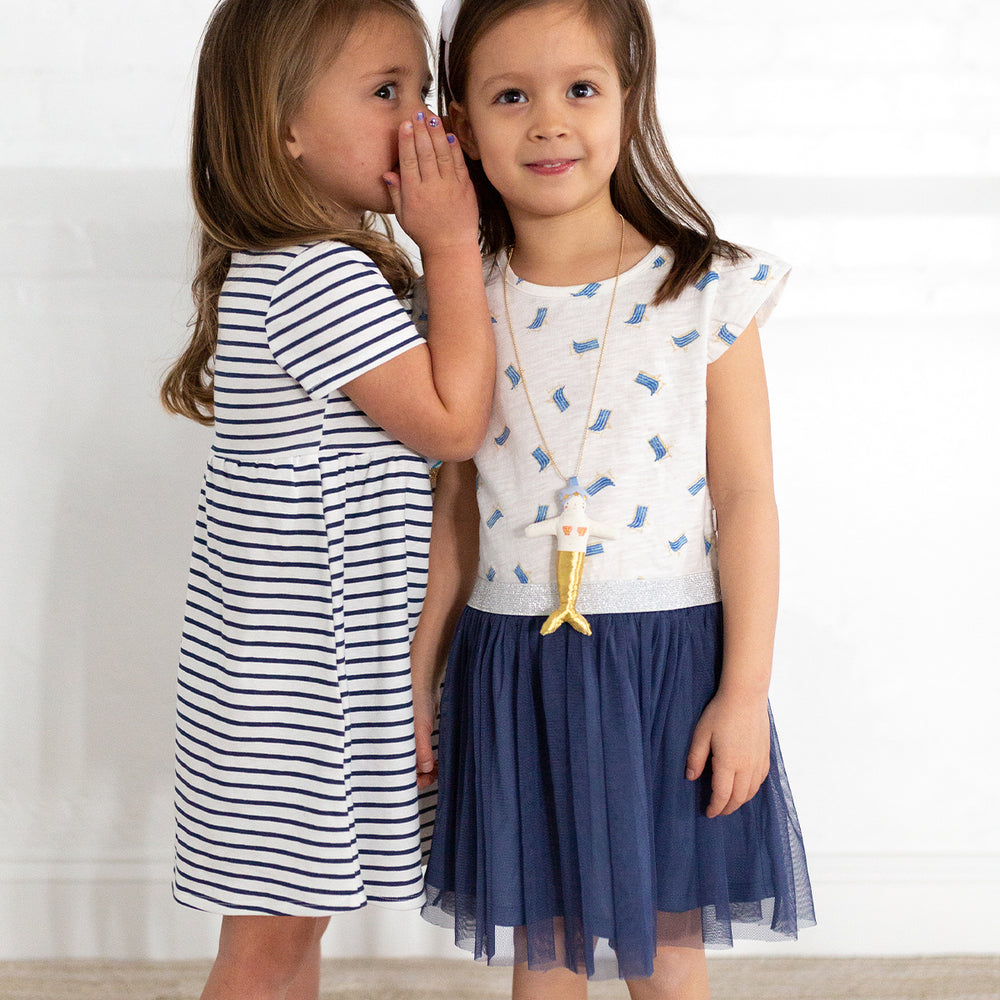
<point x="945" y="978"/>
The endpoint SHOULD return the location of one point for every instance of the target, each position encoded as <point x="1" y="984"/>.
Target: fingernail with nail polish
<point x="451" y="139"/>
<point x="420" y="116"/>
<point x="434" y="123"/>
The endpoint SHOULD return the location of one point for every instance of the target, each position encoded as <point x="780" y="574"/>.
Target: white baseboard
<point x="865" y="904"/>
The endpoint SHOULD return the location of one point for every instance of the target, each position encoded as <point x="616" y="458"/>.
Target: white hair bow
<point x="449" y="16"/>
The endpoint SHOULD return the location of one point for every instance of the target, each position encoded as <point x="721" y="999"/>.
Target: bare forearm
<point x="438" y="401"/>
<point x="460" y="335"/>
<point x="748" y="571"/>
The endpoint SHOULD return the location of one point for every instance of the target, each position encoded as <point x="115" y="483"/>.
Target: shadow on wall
<point x="99" y="524"/>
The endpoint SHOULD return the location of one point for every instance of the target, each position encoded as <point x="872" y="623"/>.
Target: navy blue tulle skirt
<point x="566" y="833"/>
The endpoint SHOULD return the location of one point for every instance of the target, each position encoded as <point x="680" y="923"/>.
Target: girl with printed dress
<point x="611" y="794"/>
<point x="296" y="794"/>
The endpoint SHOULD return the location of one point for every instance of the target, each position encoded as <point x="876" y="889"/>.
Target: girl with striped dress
<point x="296" y="793"/>
<point x="611" y="792"/>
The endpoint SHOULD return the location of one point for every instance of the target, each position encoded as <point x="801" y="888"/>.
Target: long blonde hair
<point x="645" y="186"/>
<point x="258" y="58"/>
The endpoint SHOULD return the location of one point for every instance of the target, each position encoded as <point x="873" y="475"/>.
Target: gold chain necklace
<point x="597" y="376"/>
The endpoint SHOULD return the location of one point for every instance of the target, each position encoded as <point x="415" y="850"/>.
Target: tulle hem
<point x="566" y="832"/>
<point x="701" y="929"/>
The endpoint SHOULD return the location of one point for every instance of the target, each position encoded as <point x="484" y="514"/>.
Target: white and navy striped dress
<point x="295" y="756"/>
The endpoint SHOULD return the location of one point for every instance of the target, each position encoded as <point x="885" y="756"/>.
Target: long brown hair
<point x="258" y="58"/>
<point x="645" y="186"/>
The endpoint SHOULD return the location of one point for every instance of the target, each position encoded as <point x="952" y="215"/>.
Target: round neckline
<point x="523" y="285"/>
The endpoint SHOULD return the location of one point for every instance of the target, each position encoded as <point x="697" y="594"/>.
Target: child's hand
<point x="432" y="195"/>
<point x="424" y="717"/>
<point x="737" y="733"/>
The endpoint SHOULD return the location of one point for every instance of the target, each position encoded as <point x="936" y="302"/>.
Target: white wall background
<point x="859" y="140"/>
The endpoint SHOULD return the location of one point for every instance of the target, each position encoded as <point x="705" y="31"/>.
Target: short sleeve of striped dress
<point x="333" y="316"/>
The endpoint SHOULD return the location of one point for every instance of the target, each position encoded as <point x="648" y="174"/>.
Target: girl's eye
<point x="581" y="89"/>
<point x="387" y="92"/>
<point x="511" y="97"/>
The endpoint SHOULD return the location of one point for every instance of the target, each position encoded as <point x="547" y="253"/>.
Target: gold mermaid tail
<point x="569" y="570"/>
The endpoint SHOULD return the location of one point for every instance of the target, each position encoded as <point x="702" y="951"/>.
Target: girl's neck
<point x="575" y="248"/>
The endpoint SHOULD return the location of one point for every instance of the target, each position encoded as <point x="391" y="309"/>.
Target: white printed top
<point x="644" y="466"/>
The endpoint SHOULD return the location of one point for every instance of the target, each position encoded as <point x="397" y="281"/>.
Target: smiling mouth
<point x="551" y="166"/>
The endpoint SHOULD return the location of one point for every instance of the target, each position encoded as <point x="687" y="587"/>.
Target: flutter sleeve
<point x="333" y="317"/>
<point x="746" y="290"/>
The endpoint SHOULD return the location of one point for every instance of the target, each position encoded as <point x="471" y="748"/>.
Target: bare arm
<point x="734" y="727"/>
<point x="454" y="557"/>
<point x="436" y="398"/>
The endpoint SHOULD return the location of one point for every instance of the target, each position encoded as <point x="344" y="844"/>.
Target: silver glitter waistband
<point x="597" y="596"/>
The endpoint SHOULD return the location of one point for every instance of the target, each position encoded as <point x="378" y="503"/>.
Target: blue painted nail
<point x="434" y="123"/>
<point x="451" y="139"/>
<point x="420" y="116"/>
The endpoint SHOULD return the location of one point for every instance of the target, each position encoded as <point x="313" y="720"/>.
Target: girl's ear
<point x="292" y="141"/>
<point x="460" y="126"/>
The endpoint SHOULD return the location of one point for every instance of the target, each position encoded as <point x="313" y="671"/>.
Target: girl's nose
<point x="549" y="121"/>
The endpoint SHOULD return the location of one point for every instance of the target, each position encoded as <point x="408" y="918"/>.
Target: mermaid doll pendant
<point x="573" y="530"/>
